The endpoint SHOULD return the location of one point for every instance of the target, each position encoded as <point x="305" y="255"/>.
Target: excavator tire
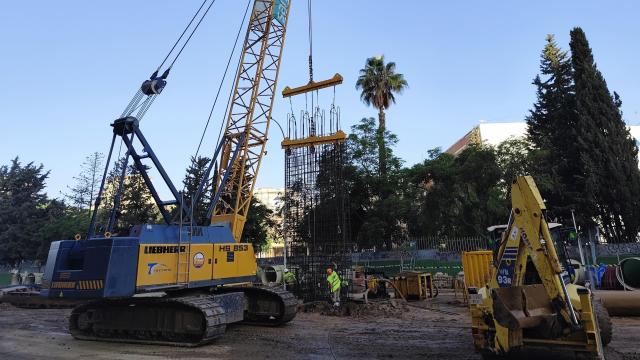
<point x="604" y="322"/>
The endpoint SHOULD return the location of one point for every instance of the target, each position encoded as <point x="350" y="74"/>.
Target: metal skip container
<point x="477" y="268"/>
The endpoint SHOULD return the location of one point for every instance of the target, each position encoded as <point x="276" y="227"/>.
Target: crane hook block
<point x="153" y="86"/>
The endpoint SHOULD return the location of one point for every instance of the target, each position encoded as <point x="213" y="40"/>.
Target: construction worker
<point x="334" y="285"/>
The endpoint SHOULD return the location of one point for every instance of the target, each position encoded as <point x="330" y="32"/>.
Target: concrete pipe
<point x="628" y="273"/>
<point x="29" y="279"/>
<point x="620" y="303"/>
<point x="272" y="274"/>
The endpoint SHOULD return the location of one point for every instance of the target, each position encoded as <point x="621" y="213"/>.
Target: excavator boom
<point x="528" y="237"/>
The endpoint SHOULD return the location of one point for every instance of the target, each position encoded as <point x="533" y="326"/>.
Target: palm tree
<point x="379" y="82"/>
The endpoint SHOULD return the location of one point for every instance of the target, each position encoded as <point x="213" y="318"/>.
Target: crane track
<point x="187" y="320"/>
<point x="267" y="306"/>
<point x="177" y="321"/>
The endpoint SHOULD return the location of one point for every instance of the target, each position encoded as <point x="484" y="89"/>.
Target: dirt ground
<point x="401" y="332"/>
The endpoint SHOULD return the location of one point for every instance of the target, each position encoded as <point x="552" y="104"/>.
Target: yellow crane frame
<point x="250" y="111"/>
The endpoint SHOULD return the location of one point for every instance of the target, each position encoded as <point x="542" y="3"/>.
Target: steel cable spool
<point x="610" y="279"/>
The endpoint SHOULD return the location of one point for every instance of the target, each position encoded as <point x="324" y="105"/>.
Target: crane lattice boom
<point x="250" y="111"/>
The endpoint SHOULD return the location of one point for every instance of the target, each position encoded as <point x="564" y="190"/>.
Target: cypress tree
<point x="610" y="158"/>
<point x="138" y="206"/>
<point x="554" y="92"/>
<point x="551" y="125"/>
<point x="195" y="174"/>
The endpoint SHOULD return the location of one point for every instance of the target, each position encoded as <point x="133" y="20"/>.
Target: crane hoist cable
<point x="191" y="35"/>
<point x="152" y="87"/>
<point x="195" y="197"/>
<point x="224" y="75"/>
<point x="182" y="35"/>
<point x="310" y="41"/>
<point x="156" y="83"/>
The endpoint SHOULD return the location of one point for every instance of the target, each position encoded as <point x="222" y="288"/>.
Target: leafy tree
<point x="518" y="156"/>
<point x="61" y="222"/>
<point x="259" y="225"/>
<point x="23" y="208"/>
<point x="456" y="195"/>
<point x="379" y="83"/>
<point x="195" y="174"/>
<point x="608" y="152"/>
<point x="428" y="184"/>
<point x="375" y="220"/>
<point x="87" y="183"/>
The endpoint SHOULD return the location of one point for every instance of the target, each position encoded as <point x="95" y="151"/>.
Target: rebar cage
<point x="316" y="220"/>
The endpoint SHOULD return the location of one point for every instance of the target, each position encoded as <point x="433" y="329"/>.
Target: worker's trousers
<point x="335" y="296"/>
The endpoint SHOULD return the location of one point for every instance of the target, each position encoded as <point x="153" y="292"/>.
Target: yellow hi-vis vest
<point x="334" y="281"/>
<point x="289" y="278"/>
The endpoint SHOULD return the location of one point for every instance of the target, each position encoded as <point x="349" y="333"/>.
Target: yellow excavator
<point x="528" y="301"/>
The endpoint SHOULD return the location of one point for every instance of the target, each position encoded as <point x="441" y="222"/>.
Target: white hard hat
<point x="286" y="270"/>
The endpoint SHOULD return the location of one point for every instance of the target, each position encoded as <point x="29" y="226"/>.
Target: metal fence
<point x="447" y="244"/>
<point x="442" y="255"/>
<point x="437" y="255"/>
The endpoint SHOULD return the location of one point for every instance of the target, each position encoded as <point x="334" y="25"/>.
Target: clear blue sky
<point x="70" y="67"/>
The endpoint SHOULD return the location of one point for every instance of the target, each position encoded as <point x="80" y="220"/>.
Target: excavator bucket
<point x="522" y="307"/>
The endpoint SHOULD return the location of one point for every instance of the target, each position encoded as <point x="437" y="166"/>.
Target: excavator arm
<point x="528" y="236"/>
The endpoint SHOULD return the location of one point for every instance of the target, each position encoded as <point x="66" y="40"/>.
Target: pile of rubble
<point x="387" y="308"/>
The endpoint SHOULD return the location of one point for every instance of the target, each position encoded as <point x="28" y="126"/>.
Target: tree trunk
<point x="382" y="150"/>
<point x="382" y="167"/>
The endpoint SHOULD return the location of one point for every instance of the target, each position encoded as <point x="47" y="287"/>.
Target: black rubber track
<point x="269" y="306"/>
<point x="211" y="326"/>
